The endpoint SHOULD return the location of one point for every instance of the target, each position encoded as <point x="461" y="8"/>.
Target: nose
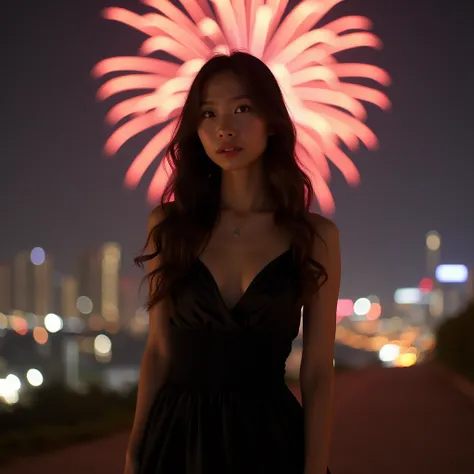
<point x="226" y="133"/>
<point x="225" y="129"/>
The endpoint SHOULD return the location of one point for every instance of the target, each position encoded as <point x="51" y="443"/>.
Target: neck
<point x="242" y="191"/>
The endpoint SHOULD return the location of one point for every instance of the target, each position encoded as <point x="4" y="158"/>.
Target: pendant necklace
<point x="237" y="230"/>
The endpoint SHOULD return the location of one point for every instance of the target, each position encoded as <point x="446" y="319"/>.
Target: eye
<point x="206" y="114"/>
<point x="243" y="108"/>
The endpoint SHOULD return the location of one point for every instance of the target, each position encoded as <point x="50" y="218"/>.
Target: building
<point x="110" y="291"/>
<point x="43" y="302"/>
<point x="68" y="297"/>
<point x="98" y="280"/>
<point x="129" y="300"/>
<point x="32" y="282"/>
<point x="22" y="283"/>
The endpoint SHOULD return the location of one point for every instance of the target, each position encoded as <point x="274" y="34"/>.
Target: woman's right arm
<point x="155" y="360"/>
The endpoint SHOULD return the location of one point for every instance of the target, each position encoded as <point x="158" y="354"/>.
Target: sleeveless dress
<point x="225" y="407"/>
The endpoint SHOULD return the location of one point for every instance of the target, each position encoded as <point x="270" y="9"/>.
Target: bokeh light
<point x="408" y="296"/>
<point x="345" y="308"/>
<point x="102" y="344"/>
<point x="8" y="392"/>
<point x="13" y="382"/>
<point x="84" y="305"/>
<point x="426" y="285"/>
<point x="406" y="359"/>
<point x="34" y="377"/>
<point x="362" y="306"/>
<point x="375" y="311"/>
<point x="53" y="323"/>
<point x="40" y="335"/>
<point x="452" y="273"/>
<point x="37" y="256"/>
<point x="19" y="325"/>
<point x="389" y="353"/>
<point x="433" y="241"/>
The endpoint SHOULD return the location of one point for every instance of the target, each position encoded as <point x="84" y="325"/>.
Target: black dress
<point x="225" y="407"/>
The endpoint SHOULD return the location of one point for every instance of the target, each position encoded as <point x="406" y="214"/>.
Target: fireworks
<point x="327" y="109"/>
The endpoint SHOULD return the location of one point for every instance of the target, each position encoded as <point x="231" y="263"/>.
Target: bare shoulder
<point x="156" y="216"/>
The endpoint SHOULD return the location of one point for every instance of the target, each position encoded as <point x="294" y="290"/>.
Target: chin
<point x="236" y="164"/>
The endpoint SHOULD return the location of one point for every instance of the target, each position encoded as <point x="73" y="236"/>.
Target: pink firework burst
<point x="327" y="109"/>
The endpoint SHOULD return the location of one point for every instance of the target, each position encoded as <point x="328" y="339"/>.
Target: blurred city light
<point x="13" y="381"/>
<point x="37" y="256"/>
<point x="84" y="305"/>
<point x="344" y="308"/>
<point x="433" y="240"/>
<point x="40" y="335"/>
<point x="7" y="392"/>
<point x="374" y="312"/>
<point x="452" y="273"/>
<point x="406" y="359"/>
<point x="362" y="306"/>
<point x="102" y="344"/>
<point x="53" y="323"/>
<point x="408" y="296"/>
<point x="389" y="353"/>
<point x="34" y="377"/>
<point x="426" y="285"/>
<point x="19" y="325"/>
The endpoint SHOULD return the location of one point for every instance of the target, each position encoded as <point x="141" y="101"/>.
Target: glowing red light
<point x="426" y="285"/>
<point x="19" y="325"/>
<point x="344" y="308"/>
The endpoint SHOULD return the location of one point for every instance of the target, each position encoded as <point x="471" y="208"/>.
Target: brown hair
<point x="195" y="181"/>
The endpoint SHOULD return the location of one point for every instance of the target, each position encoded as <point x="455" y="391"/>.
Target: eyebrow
<point x="232" y="99"/>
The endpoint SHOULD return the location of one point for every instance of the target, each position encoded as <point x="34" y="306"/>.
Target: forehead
<point x="222" y="87"/>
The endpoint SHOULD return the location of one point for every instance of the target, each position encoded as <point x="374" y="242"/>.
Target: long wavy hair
<point x="195" y="182"/>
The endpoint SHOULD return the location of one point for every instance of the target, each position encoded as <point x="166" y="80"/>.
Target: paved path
<point x="387" y="421"/>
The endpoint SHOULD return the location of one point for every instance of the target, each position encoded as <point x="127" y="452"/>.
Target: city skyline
<point x="30" y="282"/>
<point x="59" y="192"/>
<point x="96" y="292"/>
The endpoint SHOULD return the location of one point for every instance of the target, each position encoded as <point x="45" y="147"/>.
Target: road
<point x="387" y="421"/>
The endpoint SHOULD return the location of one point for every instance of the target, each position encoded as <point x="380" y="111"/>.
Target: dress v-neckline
<point x="249" y="287"/>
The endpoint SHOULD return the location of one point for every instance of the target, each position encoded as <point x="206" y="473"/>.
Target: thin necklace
<point x="237" y="230"/>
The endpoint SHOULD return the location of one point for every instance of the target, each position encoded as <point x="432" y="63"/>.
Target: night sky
<point x="58" y="190"/>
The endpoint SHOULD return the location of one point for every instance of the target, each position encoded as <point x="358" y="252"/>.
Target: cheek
<point x="203" y="135"/>
<point x="258" y="132"/>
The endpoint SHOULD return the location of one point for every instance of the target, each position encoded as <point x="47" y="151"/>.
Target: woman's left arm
<point x="317" y="372"/>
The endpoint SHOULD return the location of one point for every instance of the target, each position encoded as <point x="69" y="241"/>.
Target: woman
<point x="231" y="262"/>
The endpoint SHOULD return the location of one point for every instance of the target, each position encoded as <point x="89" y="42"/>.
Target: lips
<point x="229" y="149"/>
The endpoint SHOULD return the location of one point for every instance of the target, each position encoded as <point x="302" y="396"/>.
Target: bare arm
<point x="317" y="374"/>
<point x="155" y="360"/>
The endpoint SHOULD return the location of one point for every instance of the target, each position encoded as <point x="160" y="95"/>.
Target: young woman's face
<point x="231" y="132"/>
